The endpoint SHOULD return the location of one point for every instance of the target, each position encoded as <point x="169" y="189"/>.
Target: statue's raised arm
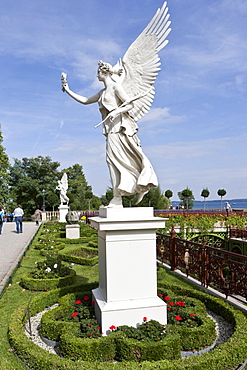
<point x="127" y="95"/>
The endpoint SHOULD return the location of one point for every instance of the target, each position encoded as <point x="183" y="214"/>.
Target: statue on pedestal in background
<point x="127" y="95"/>
<point x="63" y="187"/>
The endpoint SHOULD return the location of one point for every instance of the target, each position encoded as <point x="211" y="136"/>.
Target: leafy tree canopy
<point x="205" y="193"/>
<point x="29" y="177"/>
<point x="79" y="192"/>
<point x="186" y="196"/>
<point x="221" y="192"/>
<point x="4" y="175"/>
<point x="168" y="193"/>
<point x="154" y="198"/>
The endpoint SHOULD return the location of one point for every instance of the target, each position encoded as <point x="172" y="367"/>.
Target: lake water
<point x="216" y="204"/>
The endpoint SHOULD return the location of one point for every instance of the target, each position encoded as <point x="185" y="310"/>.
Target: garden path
<point x="12" y="247"/>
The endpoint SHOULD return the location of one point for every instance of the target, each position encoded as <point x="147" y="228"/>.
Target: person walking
<point x="1" y="220"/>
<point x="18" y="215"/>
<point x="228" y="209"/>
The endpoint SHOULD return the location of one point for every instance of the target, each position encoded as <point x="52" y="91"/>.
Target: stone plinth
<point x="43" y="216"/>
<point x="127" y="289"/>
<point x="63" y="210"/>
<point x="73" y="231"/>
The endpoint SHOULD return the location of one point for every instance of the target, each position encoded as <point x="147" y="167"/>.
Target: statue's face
<point x="101" y="75"/>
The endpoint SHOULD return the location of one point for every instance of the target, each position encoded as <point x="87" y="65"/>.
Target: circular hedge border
<point x="223" y="357"/>
<point x="47" y="284"/>
<point x="67" y="255"/>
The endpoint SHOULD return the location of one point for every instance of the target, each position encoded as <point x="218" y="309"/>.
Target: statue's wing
<point x="140" y="63"/>
<point x="64" y="181"/>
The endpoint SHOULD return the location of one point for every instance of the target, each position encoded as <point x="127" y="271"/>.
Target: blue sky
<point x="195" y="133"/>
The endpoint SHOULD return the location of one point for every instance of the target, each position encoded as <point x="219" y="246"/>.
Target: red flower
<point x="93" y="303"/>
<point x="180" y="303"/>
<point x="145" y="319"/>
<point x="77" y="302"/>
<point x="74" y="314"/>
<point x="98" y="327"/>
<point x="113" y="327"/>
<point x="160" y="295"/>
<point x="169" y="308"/>
<point x="86" y="298"/>
<point x="171" y="303"/>
<point x="179" y="318"/>
<point x="167" y="298"/>
<point x="192" y="314"/>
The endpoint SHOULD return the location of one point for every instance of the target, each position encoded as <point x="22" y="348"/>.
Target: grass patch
<point x="16" y="297"/>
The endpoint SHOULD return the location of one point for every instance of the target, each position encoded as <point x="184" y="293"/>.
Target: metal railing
<point x="214" y="267"/>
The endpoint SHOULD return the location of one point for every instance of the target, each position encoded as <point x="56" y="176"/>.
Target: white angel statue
<point x="127" y="95"/>
<point x="63" y="187"/>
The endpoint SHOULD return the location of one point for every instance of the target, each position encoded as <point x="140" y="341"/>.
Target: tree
<point x="154" y="198"/>
<point x="205" y="193"/>
<point x="168" y="194"/>
<point x="221" y="193"/>
<point x="4" y="173"/>
<point x="79" y="192"/>
<point x="29" y="177"/>
<point x="89" y="195"/>
<point x="186" y="196"/>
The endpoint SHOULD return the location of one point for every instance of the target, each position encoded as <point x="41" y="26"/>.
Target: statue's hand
<point x="113" y="115"/>
<point x="65" y="86"/>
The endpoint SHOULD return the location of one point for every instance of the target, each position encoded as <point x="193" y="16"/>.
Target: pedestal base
<point x="73" y="231"/>
<point x="129" y="312"/>
<point x="63" y="210"/>
<point x="127" y="267"/>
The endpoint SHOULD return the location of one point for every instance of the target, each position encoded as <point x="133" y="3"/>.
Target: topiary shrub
<point x="30" y="283"/>
<point x="81" y="255"/>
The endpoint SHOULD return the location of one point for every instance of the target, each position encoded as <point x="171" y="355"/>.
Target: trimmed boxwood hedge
<point x="198" y="337"/>
<point x="119" y="347"/>
<point x="47" y="284"/>
<point x="67" y="255"/>
<point x="191" y="338"/>
<point x="224" y="357"/>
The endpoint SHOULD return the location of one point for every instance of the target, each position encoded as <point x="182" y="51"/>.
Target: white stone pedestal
<point x="43" y="216"/>
<point x="72" y="231"/>
<point x="127" y="289"/>
<point x="63" y="210"/>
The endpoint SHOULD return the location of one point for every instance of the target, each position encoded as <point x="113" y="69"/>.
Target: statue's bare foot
<point x="116" y="202"/>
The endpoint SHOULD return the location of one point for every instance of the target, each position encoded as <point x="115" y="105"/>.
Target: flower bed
<point x="224" y="357"/>
<point x="196" y="331"/>
<point x="81" y="255"/>
<point x="31" y="283"/>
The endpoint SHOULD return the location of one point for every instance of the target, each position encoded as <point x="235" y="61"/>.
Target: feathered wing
<point x="64" y="181"/>
<point x="141" y="62"/>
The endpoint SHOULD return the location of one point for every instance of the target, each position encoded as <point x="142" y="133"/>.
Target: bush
<point x="30" y="283"/>
<point x="81" y="255"/>
<point x="224" y="357"/>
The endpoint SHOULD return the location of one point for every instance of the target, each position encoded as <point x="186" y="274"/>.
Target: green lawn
<point x="14" y="296"/>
